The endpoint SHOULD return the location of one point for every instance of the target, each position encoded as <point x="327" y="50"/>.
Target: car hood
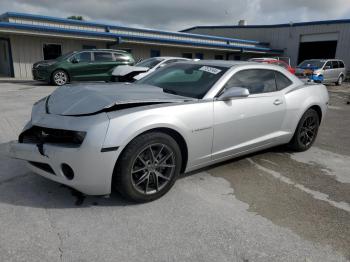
<point x="75" y="100"/>
<point x="126" y="69"/>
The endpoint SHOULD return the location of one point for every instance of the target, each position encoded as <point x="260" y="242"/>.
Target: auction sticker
<point x="209" y="69"/>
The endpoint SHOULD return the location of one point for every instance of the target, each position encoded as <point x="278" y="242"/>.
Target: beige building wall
<point x="27" y="50"/>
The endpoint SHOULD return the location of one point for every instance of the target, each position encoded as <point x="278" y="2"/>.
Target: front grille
<point x="42" y="166"/>
<point x="41" y="135"/>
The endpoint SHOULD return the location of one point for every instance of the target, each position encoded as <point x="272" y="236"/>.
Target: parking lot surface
<point x="274" y="205"/>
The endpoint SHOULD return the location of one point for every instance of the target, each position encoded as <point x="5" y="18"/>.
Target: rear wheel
<point x="148" y="167"/>
<point x="306" y="132"/>
<point x="340" y="81"/>
<point x="59" y="78"/>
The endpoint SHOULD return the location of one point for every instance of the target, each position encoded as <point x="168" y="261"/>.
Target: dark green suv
<point x="85" y="65"/>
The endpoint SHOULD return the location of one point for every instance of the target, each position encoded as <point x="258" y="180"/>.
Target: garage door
<point x="315" y="46"/>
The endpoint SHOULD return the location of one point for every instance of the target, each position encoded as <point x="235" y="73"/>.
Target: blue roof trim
<point x="324" y="22"/>
<point x="116" y="36"/>
<point x="77" y="22"/>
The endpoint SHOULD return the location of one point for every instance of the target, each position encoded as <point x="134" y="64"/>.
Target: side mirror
<point x="327" y="67"/>
<point x="234" y="92"/>
<point x="162" y="65"/>
<point x="74" y="60"/>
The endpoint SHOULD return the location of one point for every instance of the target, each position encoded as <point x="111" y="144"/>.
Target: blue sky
<point x="181" y="14"/>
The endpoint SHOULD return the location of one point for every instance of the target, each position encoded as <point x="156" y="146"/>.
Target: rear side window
<point x="341" y="64"/>
<point x="335" y="64"/>
<point x="282" y="81"/>
<point x="257" y="81"/>
<point x="103" y="57"/>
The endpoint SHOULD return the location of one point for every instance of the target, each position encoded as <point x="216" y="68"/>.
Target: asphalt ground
<point x="274" y="205"/>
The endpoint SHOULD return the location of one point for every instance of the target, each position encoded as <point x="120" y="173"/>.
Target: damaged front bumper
<point x="83" y="165"/>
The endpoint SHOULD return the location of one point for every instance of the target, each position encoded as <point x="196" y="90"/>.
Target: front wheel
<point x="59" y="78"/>
<point x="306" y="132"/>
<point x="148" y="167"/>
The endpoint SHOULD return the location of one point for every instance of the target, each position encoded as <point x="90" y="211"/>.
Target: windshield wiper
<point x="165" y="90"/>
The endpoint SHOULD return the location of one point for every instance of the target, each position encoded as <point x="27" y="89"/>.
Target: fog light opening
<point x="67" y="171"/>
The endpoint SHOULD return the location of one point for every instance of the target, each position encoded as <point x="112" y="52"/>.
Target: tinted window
<point x="282" y="81"/>
<point x="103" y="57"/>
<point x="184" y="79"/>
<point x="255" y="80"/>
<point x="82" y="57"/>
<point x="335" y="64"/>
<point x="341" y="64"/>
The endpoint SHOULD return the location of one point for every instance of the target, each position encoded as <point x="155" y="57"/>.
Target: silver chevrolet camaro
<point x="137" y="138"/>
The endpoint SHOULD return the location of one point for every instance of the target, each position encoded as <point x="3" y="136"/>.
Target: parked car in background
<point x="323" y="70"/>
<point x="274" y="62"/>
<point x="129" y="73"/>
<point x="182" y="117"/>
<point x="85" y="65"/>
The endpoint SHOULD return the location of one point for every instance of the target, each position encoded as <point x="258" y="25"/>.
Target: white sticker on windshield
<point x="209" y="69"/>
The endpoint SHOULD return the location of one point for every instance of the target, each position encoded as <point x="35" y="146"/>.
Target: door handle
<point x="277" y="102"/>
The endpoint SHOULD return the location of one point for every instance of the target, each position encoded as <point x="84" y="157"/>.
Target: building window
<point x="89" y="47"/>
<point x="52" y="51"/>
<point x="187" y="55"/>
<point x="219" y="57"/>
<point x="199" y="55"/>
<point x="155" y="53"/>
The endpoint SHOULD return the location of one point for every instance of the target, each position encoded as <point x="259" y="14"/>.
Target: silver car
<point x="127" y="73"/>
<point x="137" y="138"/>
<point x="323" y="70"/>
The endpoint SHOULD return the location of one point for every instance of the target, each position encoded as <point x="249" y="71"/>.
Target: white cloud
<point x="176" y="15"/>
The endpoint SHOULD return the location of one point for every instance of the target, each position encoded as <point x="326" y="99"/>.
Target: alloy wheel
<point x="308" y="131"/>
<point x="60" y="78"/>
<point x="153" y="168"/>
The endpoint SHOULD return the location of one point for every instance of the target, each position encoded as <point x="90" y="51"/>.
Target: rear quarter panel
<point x="300" y="99"/>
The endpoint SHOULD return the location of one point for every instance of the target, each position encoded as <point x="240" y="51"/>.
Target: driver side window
<point x="257" y="81"/>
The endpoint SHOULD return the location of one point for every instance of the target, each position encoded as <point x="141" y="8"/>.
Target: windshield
<point x="150" y="62"/>
<point x="185" y="79"/>
<point x="312" y="64"/>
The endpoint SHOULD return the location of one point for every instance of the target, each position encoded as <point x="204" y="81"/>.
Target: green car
<point x="85" y="65"/>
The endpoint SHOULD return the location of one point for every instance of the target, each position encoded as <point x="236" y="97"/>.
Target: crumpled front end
<point x="68" y="150"/>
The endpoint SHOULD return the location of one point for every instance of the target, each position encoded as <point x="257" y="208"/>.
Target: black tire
<point x="59" y="78"/>
<point x="135" y="165"/>
<point x="340" y="80"/>
<point x="306" y="131"/>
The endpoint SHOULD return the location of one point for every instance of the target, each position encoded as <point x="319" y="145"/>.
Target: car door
<point x="81" y="67"/>
<point x="336" y="71"/>
<point x="246" y="123"/>
<point x="328" y="72"/>
<point x="103" y="64"/>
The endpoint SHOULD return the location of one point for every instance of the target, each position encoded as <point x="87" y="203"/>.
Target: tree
<point x="76" y="17"/>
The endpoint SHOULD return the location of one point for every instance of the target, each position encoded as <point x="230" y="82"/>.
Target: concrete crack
<point x="59" y="236"/>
